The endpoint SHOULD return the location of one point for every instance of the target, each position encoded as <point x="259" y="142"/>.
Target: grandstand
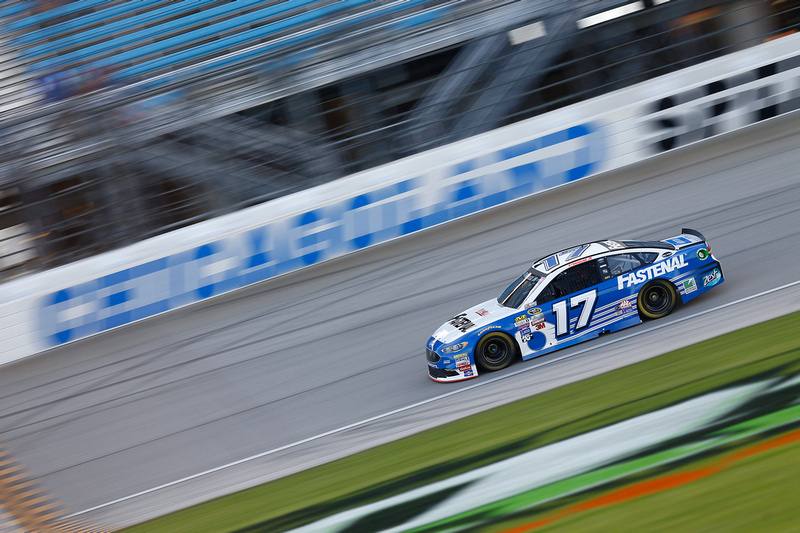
<point x="122" y="120"/>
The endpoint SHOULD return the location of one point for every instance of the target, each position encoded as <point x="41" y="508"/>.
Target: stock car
<point x="572" y="296"/>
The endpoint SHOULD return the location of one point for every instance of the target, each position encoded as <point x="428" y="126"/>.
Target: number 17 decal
<point x="586" y="302"/>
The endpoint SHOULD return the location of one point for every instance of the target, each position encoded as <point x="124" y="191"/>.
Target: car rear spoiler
<point x="688" y="237"/>
<point x="687" y="231"/>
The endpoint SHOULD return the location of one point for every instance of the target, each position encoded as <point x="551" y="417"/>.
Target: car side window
<point x="574" y="279"/>
<point x="547" y="294"/>
<point x="623" y="263"/>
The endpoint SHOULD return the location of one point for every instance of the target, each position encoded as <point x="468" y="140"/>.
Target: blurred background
<point x="121" y="120"/>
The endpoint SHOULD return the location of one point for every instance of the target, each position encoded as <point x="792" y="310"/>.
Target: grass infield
<point x="737" y="499"/>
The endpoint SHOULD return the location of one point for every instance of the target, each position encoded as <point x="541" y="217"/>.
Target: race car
<point x="572" y="296"/>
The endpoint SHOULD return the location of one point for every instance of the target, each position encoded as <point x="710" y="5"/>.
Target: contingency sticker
<point x="689" y="285"/>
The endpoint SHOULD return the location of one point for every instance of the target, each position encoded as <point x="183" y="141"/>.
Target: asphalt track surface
<point x="269" y="376"/>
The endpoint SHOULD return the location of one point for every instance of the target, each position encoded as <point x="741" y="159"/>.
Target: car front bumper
<point x="452" y="374"/>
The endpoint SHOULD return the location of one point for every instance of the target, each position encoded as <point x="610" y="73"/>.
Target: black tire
<point x="657" y="299"/>
<point x="495" y="351"/>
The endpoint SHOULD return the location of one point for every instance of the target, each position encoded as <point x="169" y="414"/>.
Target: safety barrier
<point x="211" y="258"/>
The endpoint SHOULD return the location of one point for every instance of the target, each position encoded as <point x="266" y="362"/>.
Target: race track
<point x="342" y="342"/>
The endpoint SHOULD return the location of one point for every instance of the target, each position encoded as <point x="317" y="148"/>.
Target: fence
<point x="114" y="167"/>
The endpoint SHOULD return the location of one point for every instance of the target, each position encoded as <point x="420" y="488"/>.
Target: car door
<point x="619" y="304"/>
<point x="566" y="305"/>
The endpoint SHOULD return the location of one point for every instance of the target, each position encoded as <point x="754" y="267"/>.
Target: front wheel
<point x="495" y="351"/>
<point x="657" y="299"/>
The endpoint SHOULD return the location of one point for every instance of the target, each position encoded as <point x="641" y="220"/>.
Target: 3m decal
<point x="652" y="271"/>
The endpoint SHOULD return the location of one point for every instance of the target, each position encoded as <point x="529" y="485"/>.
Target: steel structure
<point x="112" y="167"/>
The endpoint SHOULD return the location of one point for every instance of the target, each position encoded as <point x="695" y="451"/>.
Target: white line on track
<point x="526" y="368"/>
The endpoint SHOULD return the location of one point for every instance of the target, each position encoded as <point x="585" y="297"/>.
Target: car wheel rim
<point x="657" y="299"/>
<point x="495" y="352"/>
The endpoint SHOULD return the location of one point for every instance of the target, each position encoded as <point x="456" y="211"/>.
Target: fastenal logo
<point x="650" y="272"/>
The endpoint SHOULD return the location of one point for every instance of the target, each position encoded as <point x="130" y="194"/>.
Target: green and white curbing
<point x="589" y="460"/>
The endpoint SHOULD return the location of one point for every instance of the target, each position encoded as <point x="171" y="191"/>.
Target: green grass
<point x="757" y="494"/>
<point x="771" y="347"/>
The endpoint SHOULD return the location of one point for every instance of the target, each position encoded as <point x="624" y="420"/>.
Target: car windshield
<point x="516" y="293"/>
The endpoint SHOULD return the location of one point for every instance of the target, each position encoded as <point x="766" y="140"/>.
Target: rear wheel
<point x="657" y="299"/>
<point x="495" y="351"/>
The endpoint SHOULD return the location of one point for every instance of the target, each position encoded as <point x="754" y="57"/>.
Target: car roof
<point x="584" y="252"/>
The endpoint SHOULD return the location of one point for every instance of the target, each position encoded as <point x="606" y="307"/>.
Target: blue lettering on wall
<point x="322" y="233"/>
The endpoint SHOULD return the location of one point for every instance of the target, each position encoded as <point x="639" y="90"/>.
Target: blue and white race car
<point x="572" y="296"/>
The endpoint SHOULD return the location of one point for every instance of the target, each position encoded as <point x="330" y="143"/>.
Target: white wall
<point x="45" y="310"/>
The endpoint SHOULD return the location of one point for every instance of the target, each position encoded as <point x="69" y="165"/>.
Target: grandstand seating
<point x="147" y="37"/>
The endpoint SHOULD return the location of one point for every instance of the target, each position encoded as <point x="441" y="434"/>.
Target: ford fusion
<point x="572" y="296"/>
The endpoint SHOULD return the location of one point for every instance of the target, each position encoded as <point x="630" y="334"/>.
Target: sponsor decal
<point x="482" y="312"/>
<point x="487" y="328"/>
<point x="702" y="254"/>
<point x="459" y="355"/>
<point x="653" y="271"/>
<point x="462" y="358"/>
<point x="624" y="307"/>
<point x="537" y="320"/>
<point x="525" y="331"/>
<point x="540" y="326"/>
<point x="612" y="245"/>
<point x="535" y="311"/>
<point x="523" y="325"/>
<point x="462" y="323"/>
<point x="712" y="279"/>
<point x="527" y="338"/>
<point x="468" y="372"/>
<point x="580" y="261"/>
<point x="521" y="318"/>
<point x="689" y="285"/>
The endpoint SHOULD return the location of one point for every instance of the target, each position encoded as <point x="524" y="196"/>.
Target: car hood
<point x="470" y="320"/>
